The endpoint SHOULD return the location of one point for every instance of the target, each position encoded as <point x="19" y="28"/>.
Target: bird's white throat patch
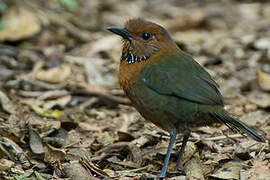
<point x="132" y="58"/>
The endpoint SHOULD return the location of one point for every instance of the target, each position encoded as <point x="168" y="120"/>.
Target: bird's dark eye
<point x="146" y="35"/>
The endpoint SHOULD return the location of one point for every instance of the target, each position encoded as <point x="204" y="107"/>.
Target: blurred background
<point x="63" y="114"/>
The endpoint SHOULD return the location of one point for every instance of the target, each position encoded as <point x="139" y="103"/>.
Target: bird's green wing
<point x="181" y="76"/>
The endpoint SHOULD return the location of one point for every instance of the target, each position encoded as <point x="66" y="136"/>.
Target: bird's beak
<point x="121" y="32"/>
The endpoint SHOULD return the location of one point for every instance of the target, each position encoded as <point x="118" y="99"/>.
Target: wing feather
<point x="181" y="76"/>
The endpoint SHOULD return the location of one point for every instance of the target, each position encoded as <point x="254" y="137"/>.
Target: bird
<point x="168" y="87"/>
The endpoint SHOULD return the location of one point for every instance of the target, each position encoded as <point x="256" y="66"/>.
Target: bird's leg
<point x="165" y="164"/>
<point x="181" y="152"/>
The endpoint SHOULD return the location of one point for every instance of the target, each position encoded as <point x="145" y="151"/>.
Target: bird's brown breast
<point x="150" y="105"/>
<point x="130" y="73"/>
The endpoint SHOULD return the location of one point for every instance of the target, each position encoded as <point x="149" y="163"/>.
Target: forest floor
<point x="64" y="116"/>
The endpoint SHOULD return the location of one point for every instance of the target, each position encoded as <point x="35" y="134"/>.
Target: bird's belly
<point x="165" y="111"/>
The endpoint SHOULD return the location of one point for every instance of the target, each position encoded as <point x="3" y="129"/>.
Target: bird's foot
<point x="161" y="175"/>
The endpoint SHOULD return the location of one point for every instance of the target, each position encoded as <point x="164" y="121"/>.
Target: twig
<point x="6" y="103"/>
<point x="89" y="102"/>
<point x="30" y="94"/>
<point x="112" y="98"/>
<point x="44" y="95"/>
<point x="5" y="151"/>
<point x="53" y="94"/>
<point x="42" y="85"/>
<point x="133" y="170"/>
<point x="222" y="137"/>
<point x="5" y="50"/>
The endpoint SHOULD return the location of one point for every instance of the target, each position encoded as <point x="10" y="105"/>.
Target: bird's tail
<point x="236" y="125"/>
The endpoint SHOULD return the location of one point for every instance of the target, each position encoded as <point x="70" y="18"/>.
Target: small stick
<point x="222" y="137"/>
<point x="134" y="170"/>
<point x="112" y="98"/>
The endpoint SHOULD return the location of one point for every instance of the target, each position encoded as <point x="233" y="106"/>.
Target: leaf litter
<point x="63" y="114"/>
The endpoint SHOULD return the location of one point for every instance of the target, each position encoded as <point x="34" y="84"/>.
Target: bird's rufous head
<point x="142" y="40"/>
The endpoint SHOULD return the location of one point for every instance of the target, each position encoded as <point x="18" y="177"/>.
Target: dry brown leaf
<point x="249" y="107"/>
<point x="136" y="154"/>
<point x="260" y="170"/>
<point x="128" y="164"/>
<point x="54" y="154"/>
<point x="5" y="164"/>
<point x="14" y="145"/>
<point x="252" y="118"/>
<point x="263" y="43"/>
<point x="106" y="43"/>
<point x="54" y="75"/>
<point x="107" y="138"/>
<point x="259" y="98"/>
<point x="161" y="147"/>
<point x="91" y="166"/>
<point x="124" y="136"/>
<point x="97" y="75"/>
<point x="190" y="150"/>
<point x="61" y="102"/>
<point x="247" y="149"/>
<point x="76" y="171"/>
<point x="194" y="169"/>
<point x="209" y="130"/>
<point x="53" y="94"/>
<point x="89" y="127"/>
<point x="54" y="124"/>
<point x="6" y="103"/>
<point x="178" y="178"/>
<point x="140" y="141"/>
<point x="229" y="170"/>
<point x="35" y="142"/>
<point x="19" y="23"/>
<point x="216" y="158"/>
<point x="230" y="39"/>
<point x="41" y="125"/>
<point x="264" y="80"/>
